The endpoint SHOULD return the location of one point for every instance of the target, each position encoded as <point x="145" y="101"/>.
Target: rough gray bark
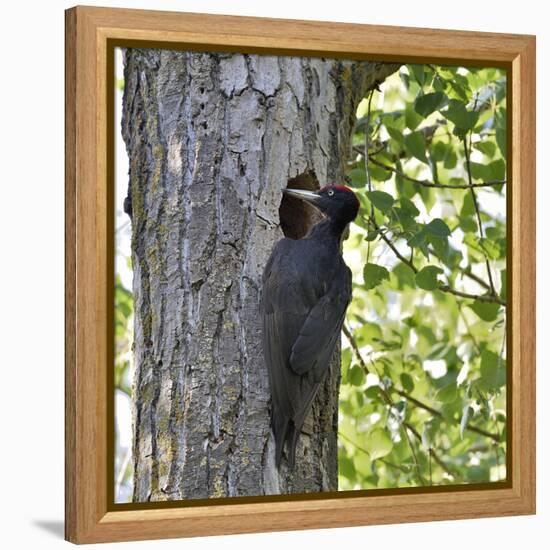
<point x="213" y="139"/>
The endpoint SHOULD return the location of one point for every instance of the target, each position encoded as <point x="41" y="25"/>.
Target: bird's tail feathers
<point x="286" y="430"/>
<point x="280" y="426"/>
<point x="292" y="440"/>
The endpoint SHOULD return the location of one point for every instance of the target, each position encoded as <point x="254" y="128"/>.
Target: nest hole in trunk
<point x="297" y="216"/>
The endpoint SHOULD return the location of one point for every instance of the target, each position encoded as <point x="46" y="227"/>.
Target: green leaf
<point x="460" y="116"/>
<point x="501" y="141"/>
<point x="490" y="248"/>
<point x="498" y="169"/>
<point x="404" y="275"/>
<point x="468" y="207"/>
<point x="409" y="207"/>
<point x="395" y="134"/>
<point x="374" y="274"/>
<point x="346" y="360"/>
<point x="450" y="160"/>
<point x="418" y="239"/>
<point x="488" y="148"/>
<point x="441" y="247"/>
<point x="487" y="311"/>
<point x="378" y="173"/>
<point x="407" y="382"/>
<point x="458" y="89"/>
<point x="447" y="394"/>
<point x="426" y="278"/>
<point x="500" y="126"/>
<point x="418" y="73"/>
<point x="468" y="225"/>
<point x="480" y="171"/>
<point x="495" y="170"/>
<point x="426" y="104"/>
<point x="438" y="228"/>
<point x="372" y="235"/>
<point x="415" y="144"/>
<point x="378" y="444"/>
<point x="438" y="151"/>
<point x="412" y="118"/>
<point x="346" y="467"/>
<point x="372" y="392"/>
<point x="381" y="200"/>
<point x="367" y="332"/>
<point x="439" y="84"/>
<point x="358" y="177"/>
<point x="503" y="284"/>
<point x="493" y="371"/>
<point x="356" y="376"/>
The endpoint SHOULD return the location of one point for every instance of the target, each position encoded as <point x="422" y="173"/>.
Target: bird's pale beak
<point x="309" y="196"/>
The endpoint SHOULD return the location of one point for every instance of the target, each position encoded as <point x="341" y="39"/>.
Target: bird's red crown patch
<point x="343" y="188"/>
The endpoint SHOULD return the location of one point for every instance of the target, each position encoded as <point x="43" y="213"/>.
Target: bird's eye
<point x="330" y="193"/>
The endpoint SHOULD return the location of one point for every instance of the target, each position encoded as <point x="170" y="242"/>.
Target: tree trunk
<point x="212" y="140"/>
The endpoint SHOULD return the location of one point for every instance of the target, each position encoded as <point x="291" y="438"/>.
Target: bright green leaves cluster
<point x="422" y="343"/>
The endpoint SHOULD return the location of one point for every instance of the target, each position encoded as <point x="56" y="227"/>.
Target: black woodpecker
<point x="306" y="290"/>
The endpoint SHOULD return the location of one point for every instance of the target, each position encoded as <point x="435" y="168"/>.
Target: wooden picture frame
<point x="90" y="33"/>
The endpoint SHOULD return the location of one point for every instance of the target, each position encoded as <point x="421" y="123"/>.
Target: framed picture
<point x="300" y="274"/>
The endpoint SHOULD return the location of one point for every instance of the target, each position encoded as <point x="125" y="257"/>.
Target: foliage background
<point x="424" y="359"/>
<point x="423" y="373"/>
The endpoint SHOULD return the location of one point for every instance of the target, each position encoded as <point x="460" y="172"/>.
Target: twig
<point x="483" y="432"/>
<point x="439" y="461"/>
<point x="442" y="464"/>
<point x="366" y="149"/>
<point x="386" y="396"/>
<point x="467" y="152"/>
<point x="418" y="403"/>
<point x="429" y="133"/>
<point x="363" y="450"/>
<point x="406" y="427"/>
<point x="465" y="271"/>
<point x="389" y="401"/>
<point x="435" y="412"/>
<point x="426" y="183"/>
<point x="413" y="400"/>
<point x="391" y="245"/>
<point x="494" y="298"/>
<point x="366" y="154"/>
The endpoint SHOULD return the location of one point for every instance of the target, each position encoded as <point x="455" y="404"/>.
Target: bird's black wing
<point x="301" y="325"/>
<point x="284" y="307"/>
<point x="319" y="333"/>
